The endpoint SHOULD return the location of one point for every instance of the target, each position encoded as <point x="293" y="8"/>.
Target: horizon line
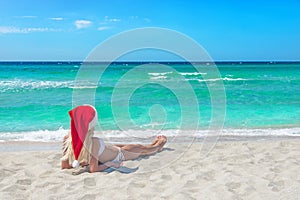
<point x="152" y="61"/>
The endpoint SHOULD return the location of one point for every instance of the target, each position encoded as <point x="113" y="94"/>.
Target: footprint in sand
<point x="14" y="188"/>
<point x="46" y="174"/>
<point x="55" y="188"/>
<point x="24" y="182"/>
<point x="16" y="164"/>
<point x="137" y="184"/>
<point x="190" y="184"/>
<point x="8" y="171"/>
<point x="208" y="176"/>
<point x="89" y="181"/>
<point x="166" y="177"/>
<point x="276" y="185"/>
<point x="270" y="177"/>
<point x="233" y="185"/>
<point x="29" y="173"/>
<point x="275" y="169"/>
<point x="284" y="144"/>
<point x="155" y="176"/>
<point x="88" y="196"/>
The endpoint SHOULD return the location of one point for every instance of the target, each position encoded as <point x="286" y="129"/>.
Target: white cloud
<point x="27" y="16"/>
<point x="133" y="17"/>
<point x="10" y="29"/>
<point x="113" y="20"/>
<point x="82" y="24"/>
<point x="138" y="18"/>
<point x="108" y="19"/>
<point x="147" y="20"/>
<point x="102" y="28"/>
<point x="56" y="18"/>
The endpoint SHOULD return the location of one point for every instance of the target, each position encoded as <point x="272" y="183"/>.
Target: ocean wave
<point x="82" y="87"/>
<point x="221" y="79"/>
<point x="18" y="84"/>
<point x="144" y="134"/>
<point x="177" y="133"/>
<point x="159" y="74"/>
<point x="36" y="136"/>
<point x="295" y="131"/>
<point x="191" y="73"/>
<point x="33" y="84"/>
<point x="158" y="77"/>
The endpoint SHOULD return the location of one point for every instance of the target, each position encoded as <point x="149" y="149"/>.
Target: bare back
<point x="109" y="153"/>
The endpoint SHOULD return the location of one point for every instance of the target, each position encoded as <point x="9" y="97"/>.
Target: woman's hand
<point x="113" y="164"/>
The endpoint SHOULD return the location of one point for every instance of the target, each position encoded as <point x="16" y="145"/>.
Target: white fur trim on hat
<point x="94" y="122"/>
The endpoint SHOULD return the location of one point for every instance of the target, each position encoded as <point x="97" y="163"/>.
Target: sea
<point x="241" y="99"/>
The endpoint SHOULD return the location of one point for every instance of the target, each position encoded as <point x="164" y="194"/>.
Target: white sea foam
<point x="83" y="87"/>
<point x="191" y="73"/>
<point x="295" y="131"/>
<point x="246" y="132"/>
<point x="158" y="77"/>
<point x="17" y="84"/>
<point x="221" y="79"/>
<point x="36" y="136"/>
<point x="33" y="84"/>
<point x="57" y="135"/>
<point x="159" y="74"/>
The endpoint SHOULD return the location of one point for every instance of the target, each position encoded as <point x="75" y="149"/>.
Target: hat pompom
<point x="75" y="164"/>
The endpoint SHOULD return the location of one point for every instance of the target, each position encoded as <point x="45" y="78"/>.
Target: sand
<point x="247" y="169"/>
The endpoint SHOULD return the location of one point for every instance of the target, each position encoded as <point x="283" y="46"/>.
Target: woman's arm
<point x="65" y="164"/>
<point x="99" y="168"/>
<point x="94" y="167"/>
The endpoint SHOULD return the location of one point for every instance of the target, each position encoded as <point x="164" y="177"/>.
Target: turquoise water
<point x="36" y="97"/>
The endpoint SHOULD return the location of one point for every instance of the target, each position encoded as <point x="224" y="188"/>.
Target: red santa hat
<point x="83" y="118"/>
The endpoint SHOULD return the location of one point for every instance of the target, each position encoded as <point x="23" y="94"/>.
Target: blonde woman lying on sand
<point x="81" y="148"/>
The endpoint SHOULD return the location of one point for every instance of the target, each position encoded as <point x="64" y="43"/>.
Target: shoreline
<point x="121" y="135"/>
<point x="18" y="146"/>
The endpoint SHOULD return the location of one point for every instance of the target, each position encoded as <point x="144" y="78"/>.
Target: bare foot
<point x="156" y="139"/>
<point x="162" y="140"/>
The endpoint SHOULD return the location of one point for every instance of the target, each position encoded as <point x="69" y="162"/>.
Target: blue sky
<point x="228" y="30"/>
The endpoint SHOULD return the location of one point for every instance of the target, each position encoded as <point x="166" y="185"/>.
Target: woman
<point x="81" y="148"/>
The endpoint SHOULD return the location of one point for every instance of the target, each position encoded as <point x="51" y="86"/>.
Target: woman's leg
<point x="133" y="151"/>
<point x="154" y="141"/>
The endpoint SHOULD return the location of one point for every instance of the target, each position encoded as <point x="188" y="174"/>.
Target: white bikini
<point x="119" y="158"/>
<point x="102" y="147"/>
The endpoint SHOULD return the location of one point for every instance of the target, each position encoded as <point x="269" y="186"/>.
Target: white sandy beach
<point x="265" y="169"/>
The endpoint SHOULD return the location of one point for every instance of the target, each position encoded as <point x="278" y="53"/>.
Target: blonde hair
<point x="85" y="153"/>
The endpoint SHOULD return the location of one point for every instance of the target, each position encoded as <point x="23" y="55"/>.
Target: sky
<point x="232" y="30"/>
